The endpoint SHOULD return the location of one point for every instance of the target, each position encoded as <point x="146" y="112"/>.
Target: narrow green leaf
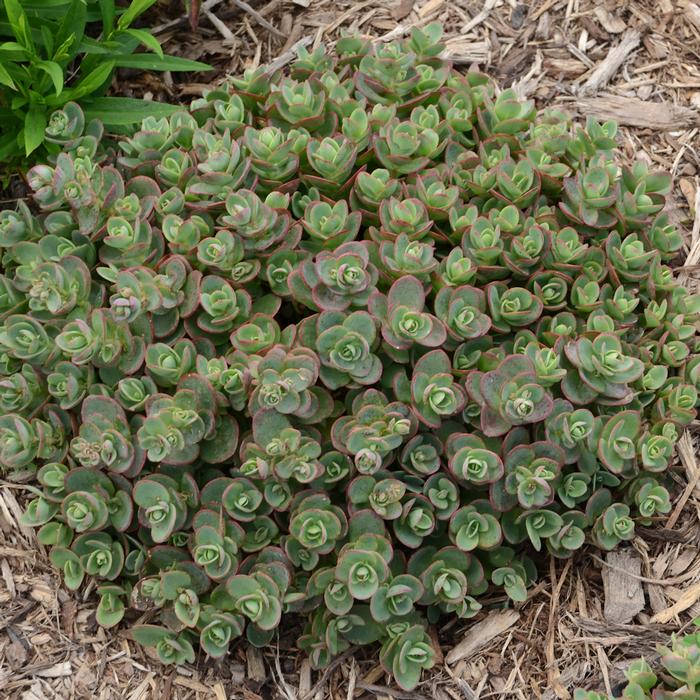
<point x="72" y="28"/>
<point x="147" y="39"/>
<point x="47" y="39"/>
<point x="18" y="22"/>
<point x="6" y="78"/>
<point x="122" y="111"/>
<point x="137" y="7"/>
<point x="54" y="71"/>
<point x="13" y="46"/>
<point x="89" y="84"/>
<point x="108" y="14"/>
<point x="149" y="62"/>
<point x="34" y="125"/>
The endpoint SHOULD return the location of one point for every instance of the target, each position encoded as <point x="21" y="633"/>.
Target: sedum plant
<point x="354" y="343"/>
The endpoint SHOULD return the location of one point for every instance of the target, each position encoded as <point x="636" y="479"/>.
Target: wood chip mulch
<point x="637" y="61"/>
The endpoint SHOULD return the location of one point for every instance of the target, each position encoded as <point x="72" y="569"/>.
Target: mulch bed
<point x="635" y="61"/>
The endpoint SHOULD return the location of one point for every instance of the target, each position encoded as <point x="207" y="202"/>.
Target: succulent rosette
<point x="347" y="341"/>
<point x="404" y="319"/>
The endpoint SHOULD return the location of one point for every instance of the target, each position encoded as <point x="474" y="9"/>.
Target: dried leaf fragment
<point x="482" y="633"/>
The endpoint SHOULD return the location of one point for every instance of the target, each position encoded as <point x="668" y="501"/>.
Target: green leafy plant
<point x="65" y="51"/>
<point x="355" y="343"/>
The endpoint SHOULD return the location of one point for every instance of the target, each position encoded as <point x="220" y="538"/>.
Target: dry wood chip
<point x="644" y="92"/>
<point x="402" y="9"/>
<point x="304" y="678"/>
<point x="685" y="447"/>
<point x="607" y="68"/>
<point x="56" y="671"/>
<point x="657" y="599"/>
<point x="544" y="24"/>
<point x="34" y="693"/>
<point x="683" y="561"/>
<point x="546" y="5"/>
<point x="459" y="50"/>
<point x="68" y="612"/>
<point x="256" y="665"/>
<point x="689" y="597"/>
<point x="140" y="692"/>
<point x="570" y="676"/>
<point x="478" y="18"/>
<point x="687" y="187"/>
<point x="610" y="22"/>
<point x="7" y="577"/>
<point x="635" y="112"/>
<point x="604" y="663"/>
<point x="191" y="684"/>
<point x="44" y="594"/>
<point x="14" y="552"/>
<point x="655" y="46"/>
<point x="12" y="513"/>
<point x="15" y="654"/>
<point x="692" y="13"/>
<point x="570" y="67"/>
<point x="482" y="633"/>
<point x="430" y="7"/>
<point x="624" y="596"/>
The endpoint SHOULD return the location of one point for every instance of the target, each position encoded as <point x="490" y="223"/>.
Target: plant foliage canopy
<point x="354" y="343"/>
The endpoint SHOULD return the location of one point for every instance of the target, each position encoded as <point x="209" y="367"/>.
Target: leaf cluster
<point x="354" y="342"/>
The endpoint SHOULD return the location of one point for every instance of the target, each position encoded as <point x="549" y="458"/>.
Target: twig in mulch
<point x="170" y="24"/>
<point x="390" y="692"/>
<point x="284" y="688"/>
<point x="542" y="9"/>
<point x="656" y="581"/>
<point x="221" y="26"/>
<point x="207" y="8"/>
<point x="321" y="682"/>
<point x="480" y="634"/>
<point x="20" y="615"/>
<point x="600" y="632"/>
<point x="553" y="672"/>
<point x="603" y="662"/>
<point x="352" y="679"/>
<point x="689" y="597"/>
<point x="694" y="253"/>
<point x="663" y="535"/>
<point x="258" y="17"/>
<point x="346" y="15"/>
<point x="631" y="111"/>
<point x="687" y="492"/>
<point x="283" y="59"/>
<point x="609" y="66"/>
<point x="478" y="18"/>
